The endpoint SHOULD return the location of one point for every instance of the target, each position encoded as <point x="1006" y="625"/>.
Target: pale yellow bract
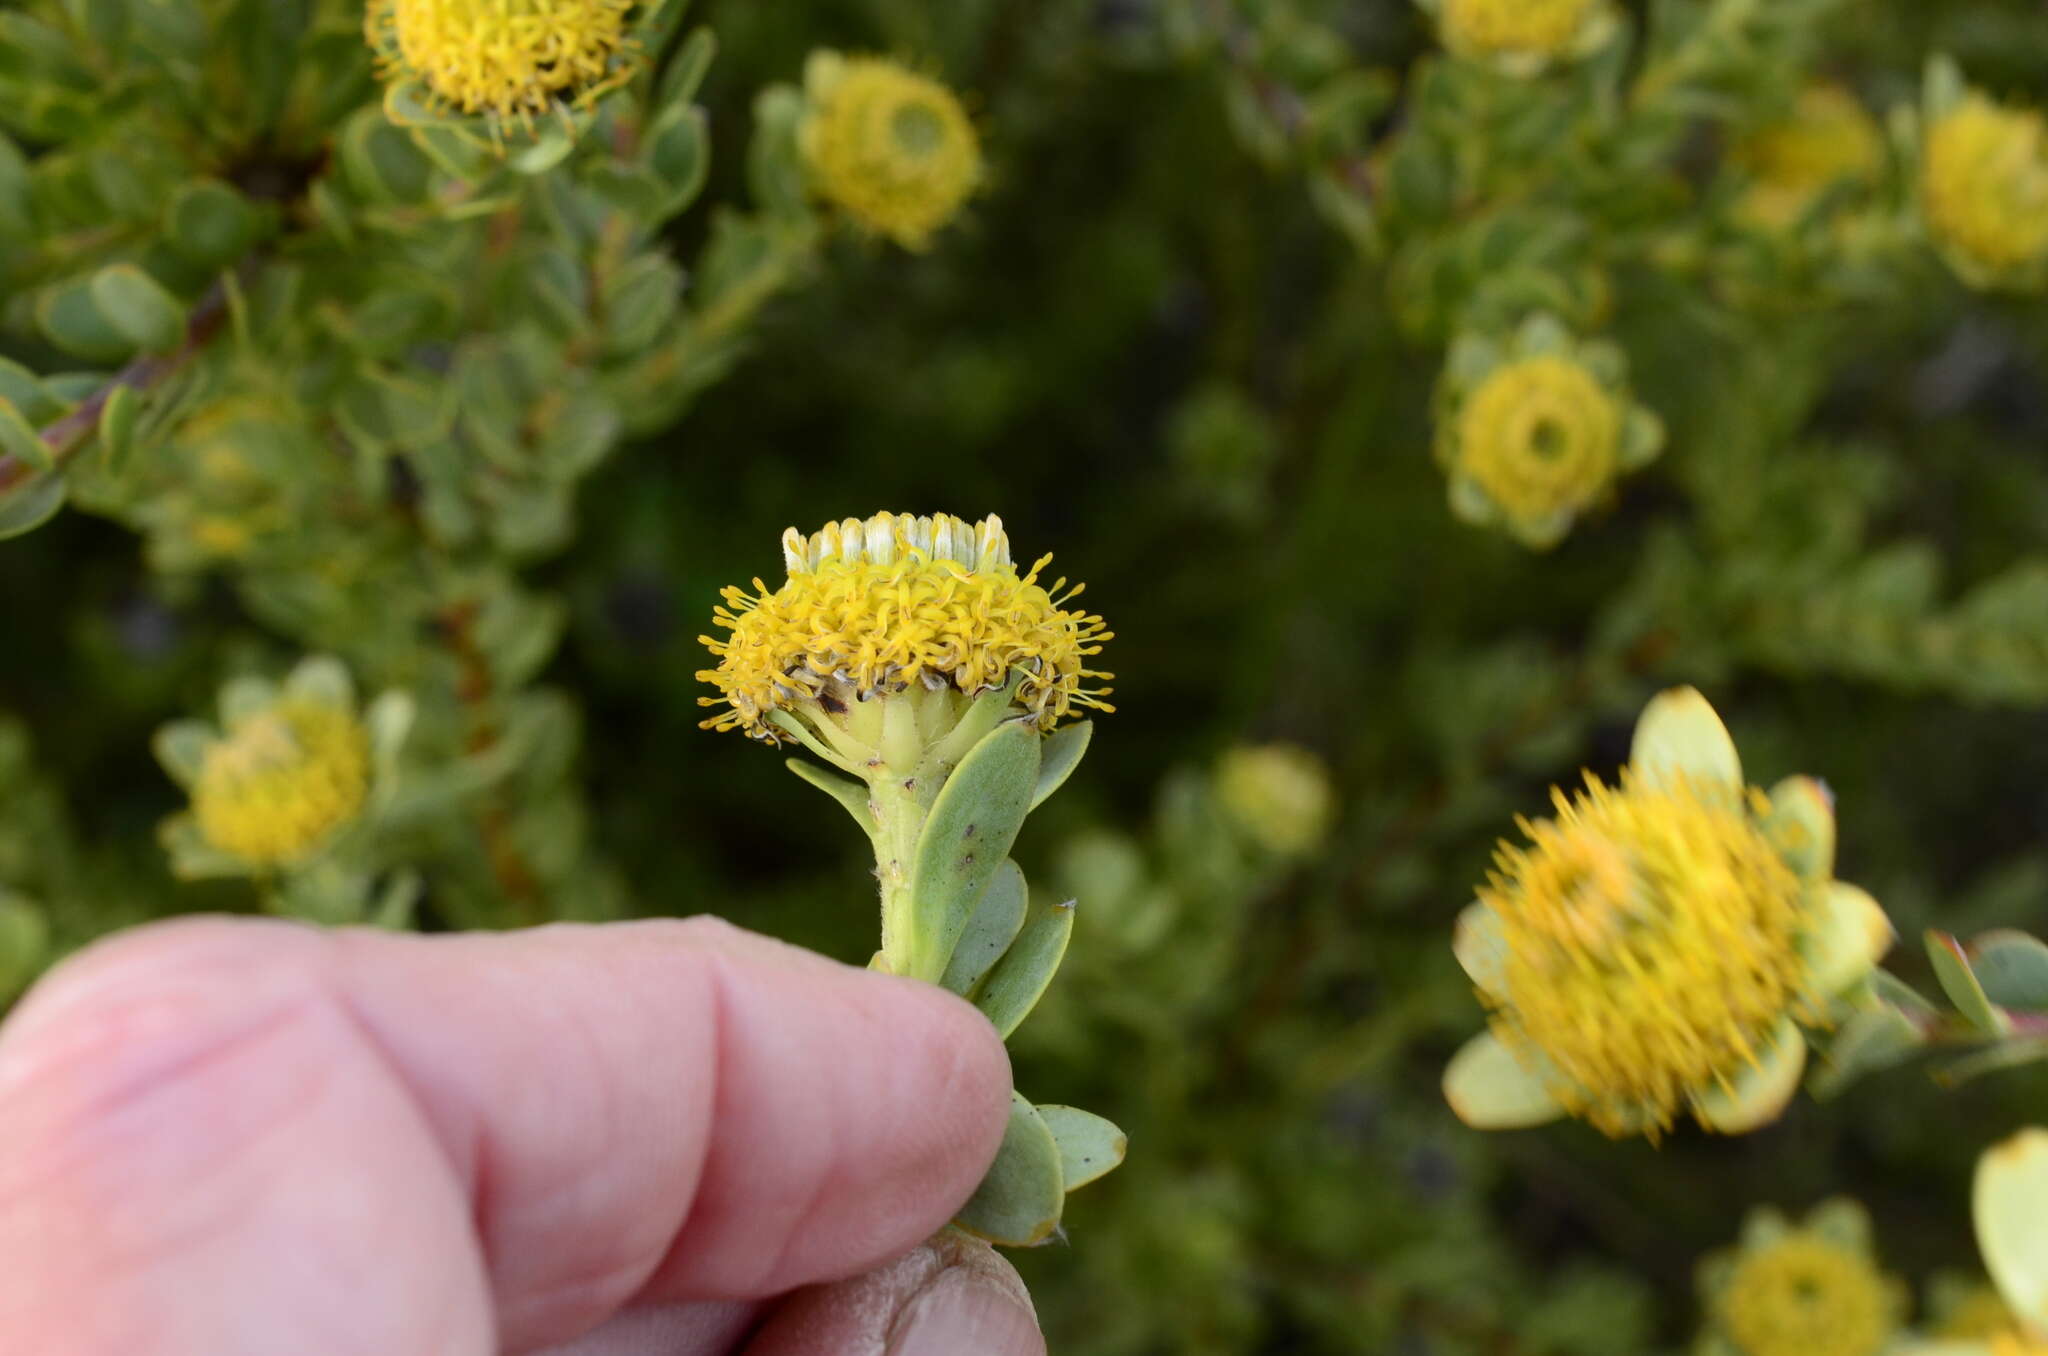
<point x="884" y="604"/>
<point x="281" y="781"/>
<point x="890" y="148"/>
<point x="1984" y="184"/>
<point x="506" y="58"/>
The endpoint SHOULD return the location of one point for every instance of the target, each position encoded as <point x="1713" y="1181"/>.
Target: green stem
<point x="899" y="805"/>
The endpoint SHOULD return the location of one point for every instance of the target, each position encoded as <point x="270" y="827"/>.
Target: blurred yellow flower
<point x="897" y="603"/>
<point x="1810" y="1290"/>
<point x="1533" y="431"/>
<point x="505" y="58"/>
<point x="890" y="148"/>
<point x="1984" y="189"/>
<point x="1652" y="947"/>
<point x="1828" y="140"/>
<point x="1522" y="36"/>
<point x="281" y="781"/>
<point x="1279" y="794"/>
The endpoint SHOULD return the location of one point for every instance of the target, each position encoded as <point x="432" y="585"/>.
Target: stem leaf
<point x="1018" y="1203"/>
<point x="997" y="920"/>
<point x="966" y="839"/>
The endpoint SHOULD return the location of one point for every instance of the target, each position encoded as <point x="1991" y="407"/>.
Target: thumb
<point x="950" y="1296"/>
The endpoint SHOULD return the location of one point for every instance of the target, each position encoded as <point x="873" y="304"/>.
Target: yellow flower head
<point x="1984" y="189"/>
<point x="1522" y="36"/>
<point x="1649" y="949"/>
<point x="1828" y="140"/>
<point x="1278" y="794"/>
<point x="1813" y="1290"/>
<point x="504" y="58"/>
<point x="890" y="148"/>
<point x="287" y="769"/>
<point x="1536" y="432"/>
<point x="281" y="781"/>
<point x="894" y="603"/>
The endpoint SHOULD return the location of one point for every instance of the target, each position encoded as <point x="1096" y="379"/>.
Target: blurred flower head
<point x="1278" y="794"/>
<point x="1812" y="1289"/>
<point x="1826" y="141"/>
<point x="1984" y="190"/>
<point x="890" y="148"/>
<point x="1523" y="36"/>
<point x="899" y="603"/>
<point x="1651" y="949"/>
<point x="503" y="58"/>
<point x="1535" y="431"/>
<point x="288" y="768"/>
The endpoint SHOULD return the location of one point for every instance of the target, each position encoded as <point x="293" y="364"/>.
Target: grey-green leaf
<point x="1089" y="1145"/>
<point x="1058" y="757"/>
<point x="1874" y="1039"/>
<point x="1952" y="968"/>
<point x="2012" y="968"/>
<point x="1018" y="1203"/>
<point x="848" y="793"/>
<point x="29" y="506"/>
<point x="19" y="439"/>
<point x="965" y="841"/>
<point x="138" y="306"/>
<point x="995" y="924"/>
<point x="1024" y="973"/>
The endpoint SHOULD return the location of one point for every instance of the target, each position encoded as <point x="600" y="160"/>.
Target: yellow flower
<point x="1535" y="432"/>
<point x="504" y="58"/>
<point x="890" y="148"/>
<point x="287" y="771"/>
<point x="1811" y="1290"/>
<point x="1828" y="140"/>
<point x="1984" y="190"/>
<point x="1652" y="948"/>
<point x="932" y="606"/>
<point x="1523" y="36"/>
<point x="1278" y="794"/>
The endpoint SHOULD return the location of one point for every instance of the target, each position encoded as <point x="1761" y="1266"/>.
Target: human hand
<point x="247" y="1138"/>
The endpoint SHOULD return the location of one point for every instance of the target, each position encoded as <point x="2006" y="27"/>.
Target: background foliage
<point x="1187" y="338"/>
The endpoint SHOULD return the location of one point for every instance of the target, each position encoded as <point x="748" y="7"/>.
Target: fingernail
<point x="965" y="1313"/>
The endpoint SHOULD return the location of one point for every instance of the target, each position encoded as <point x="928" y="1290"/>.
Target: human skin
<point x="230" y="1137"/>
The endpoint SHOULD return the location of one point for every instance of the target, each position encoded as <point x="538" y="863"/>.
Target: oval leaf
<point x="965" y="841"/>
<point x="1018" y="1203"/>
<point x="2012" y="969"/>
<point x="1089" y="1145"/>
<point x="1058" y="756"/>
<point x="1024" y="973"/>
<point x="29" y="506"/>
<point x="1952" y="968"/>
<point x="850" y="794"/>
<point x="137" y="306"/>
<point x="996" y="922"/>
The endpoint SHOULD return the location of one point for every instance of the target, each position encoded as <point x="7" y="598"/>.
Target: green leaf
<point x="678" y="151"/>
<point x="966" y="838"/>
<point x="24" y="943"/>
<point x="117" y="427"/>
<point x="1090" y="1146"/>
<point x="72" y="319"/>
<point x="211" y="224"/>
<point x="686" y="69"/>
<point x="19" y="439"/>
<point x="848" y="793"/>
<point x="1060" y="754"/>
<point x="181" y="747"/>
<point x="139" y="308"/>
<point x="37" y="403"/>
<point x="1952" y="968"/>
<point x="1024" y="973"/>
<point x="1872" y="1040"/>
<point x="2012" y="968"/>
<point x="995" y="924"/>
<point x="31" y="504"/>
<point x="775" y="167"/>
<point x="1018" y="1203"/>
<point x="1489" y="1089"/>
